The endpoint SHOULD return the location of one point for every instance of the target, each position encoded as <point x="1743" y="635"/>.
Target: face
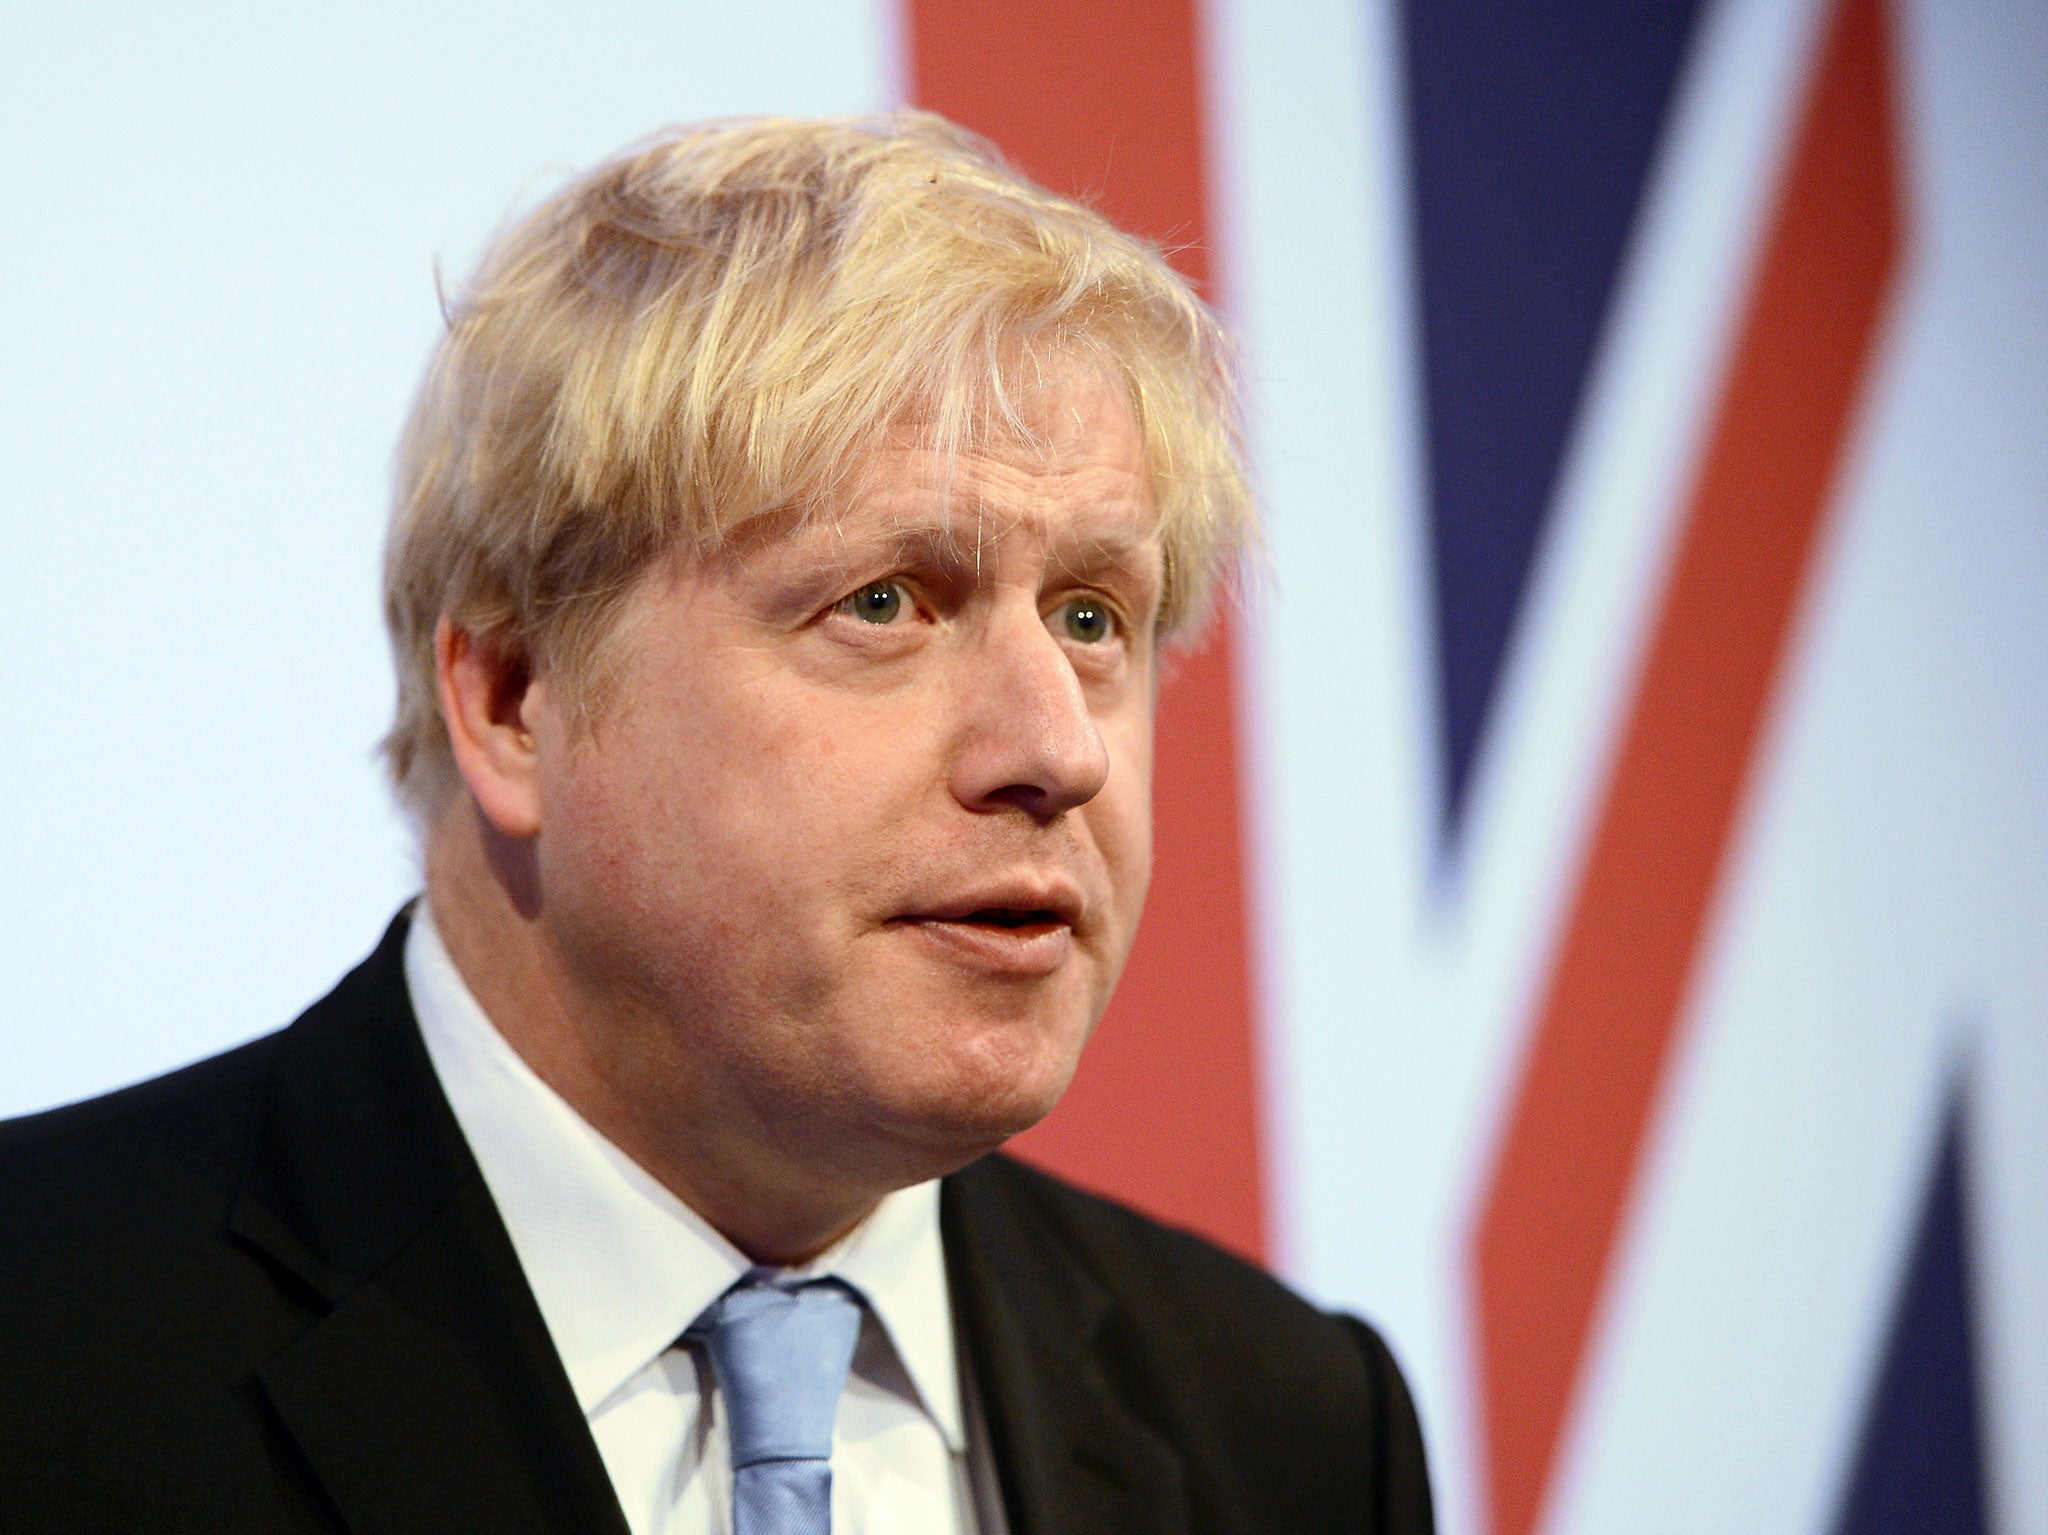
<point x="860" y="844"/>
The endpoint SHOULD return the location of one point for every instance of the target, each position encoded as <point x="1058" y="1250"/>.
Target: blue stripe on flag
<point x="1533" y="128"/>
<point x="1920" y="1467"/>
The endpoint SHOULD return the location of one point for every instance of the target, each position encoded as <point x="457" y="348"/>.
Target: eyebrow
<point x="944" y="542"/>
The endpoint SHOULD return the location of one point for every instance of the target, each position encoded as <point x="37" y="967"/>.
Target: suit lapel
<point x="424" y="1402"/>
<point x="1069" y="1454"/>
<point x="427" y="1396"/>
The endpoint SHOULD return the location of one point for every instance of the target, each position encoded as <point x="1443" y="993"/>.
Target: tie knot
<point x="780" y="1350"/>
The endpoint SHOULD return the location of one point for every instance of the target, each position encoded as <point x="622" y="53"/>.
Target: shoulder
<point x="152" y="1173"/>
<point x="178" y="1148"/>
<point x="122" y="1301"/>
<point x="1207" y="1344"/>
<point x="116" y="1210"/>
<point x="139" y="1157"/>
<point x="1179" y="1278"/>
<point x="1166" y="1272"/>
<point x="142" y="1282"/>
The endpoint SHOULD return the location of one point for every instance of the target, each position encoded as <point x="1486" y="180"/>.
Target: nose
<point x="1030" y="740"/>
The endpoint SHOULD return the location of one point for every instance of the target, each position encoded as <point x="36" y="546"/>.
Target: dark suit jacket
<point x="271" y="1292"/>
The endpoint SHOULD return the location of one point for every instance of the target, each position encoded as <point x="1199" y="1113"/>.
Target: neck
<point x="763" y="1183"/>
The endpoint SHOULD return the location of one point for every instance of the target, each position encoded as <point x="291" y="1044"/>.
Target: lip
<point x="1023" y="952"/>
<point x="1036" y="943"/>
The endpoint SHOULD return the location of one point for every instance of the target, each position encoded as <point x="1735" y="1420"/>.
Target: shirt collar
<point x="619" y="1265"/>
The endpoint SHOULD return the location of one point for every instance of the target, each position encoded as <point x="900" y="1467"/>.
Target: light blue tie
<point x="780" y="1349"/>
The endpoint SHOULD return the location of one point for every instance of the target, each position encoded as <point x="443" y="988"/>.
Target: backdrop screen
<point x="1598" y="927"/>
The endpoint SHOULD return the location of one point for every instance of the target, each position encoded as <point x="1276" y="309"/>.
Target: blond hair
<point x="716" y="327"/>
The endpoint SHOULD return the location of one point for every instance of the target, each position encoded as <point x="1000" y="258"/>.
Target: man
<point x="787" y="532"/>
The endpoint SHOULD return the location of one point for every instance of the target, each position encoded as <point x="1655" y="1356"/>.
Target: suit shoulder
<point x="1177" y="1281"/>
<point x="70" y="1164"/>
<point x="201" y="1115"/>
<point x="1219" y="1356"/>
<point x="1119" y="1245"/>
<point x="200" y="1091"/>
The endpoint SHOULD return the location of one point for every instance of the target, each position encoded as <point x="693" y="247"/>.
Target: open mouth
<point x="1011" y="918"/>
<point x="1023" y="941"/>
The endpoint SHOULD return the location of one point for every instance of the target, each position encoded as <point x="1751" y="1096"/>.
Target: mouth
<point x="1022" y="939"/>
<point x="1013" y="919"/>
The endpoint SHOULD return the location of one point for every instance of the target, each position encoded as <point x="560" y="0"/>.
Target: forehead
<point x="1073" y="460"/>
<point x="1068" y="476"/>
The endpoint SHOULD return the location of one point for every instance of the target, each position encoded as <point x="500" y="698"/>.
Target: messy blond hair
<point x="718" y="326"/>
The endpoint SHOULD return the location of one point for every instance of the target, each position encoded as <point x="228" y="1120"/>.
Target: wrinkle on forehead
<point x="1072" y="421"/>
<point x="1041" y="404"/>
<point x="965" y="506"/>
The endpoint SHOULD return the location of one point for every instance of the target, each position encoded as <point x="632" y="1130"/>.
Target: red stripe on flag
<point x="1103" y="101"/>
<point x="1568" y="1160"/>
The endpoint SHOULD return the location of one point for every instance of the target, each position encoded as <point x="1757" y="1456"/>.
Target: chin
<point x="972" y="1104"/>
<point x="986" y="1123"/>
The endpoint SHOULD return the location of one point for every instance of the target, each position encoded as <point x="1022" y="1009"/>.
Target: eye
<point x="1086" y="620"/>
<point x="879" y="602"/>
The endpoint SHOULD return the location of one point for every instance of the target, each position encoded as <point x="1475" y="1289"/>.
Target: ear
<point x="489" y="699"/>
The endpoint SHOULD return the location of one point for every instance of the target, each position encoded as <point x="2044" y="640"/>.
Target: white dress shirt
<point x="620" y="1267"/>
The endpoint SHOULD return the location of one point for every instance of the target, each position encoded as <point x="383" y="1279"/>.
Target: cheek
<point x="726" y="827"/>
<point x="620" y="865"/>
